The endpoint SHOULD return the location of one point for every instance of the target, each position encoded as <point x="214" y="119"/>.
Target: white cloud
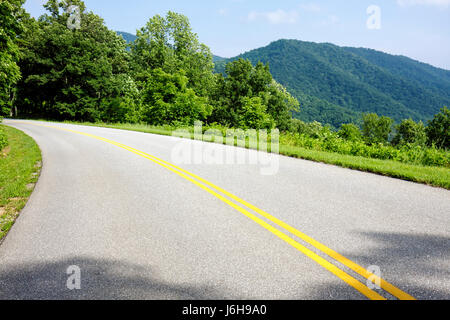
<point x="275" y="17"/>
<point x="280" y="16"/>
<point x="439" y="3"/>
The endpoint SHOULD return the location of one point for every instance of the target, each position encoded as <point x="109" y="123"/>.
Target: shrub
<point x="350" y="132"/>
<point x="407" y="153"/>
<point x="376" y="129"/>
<point x="253" y="114"/>
<point x="410" y="132"/>
<point x="438" y="130"/>
<point x="168" y="100"/>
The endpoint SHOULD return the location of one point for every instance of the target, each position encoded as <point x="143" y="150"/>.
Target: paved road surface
<point x="137" y="230"/>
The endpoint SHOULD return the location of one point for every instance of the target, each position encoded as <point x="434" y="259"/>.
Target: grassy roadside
<point x="433" y="176"/>
<point x="20" y="164"/>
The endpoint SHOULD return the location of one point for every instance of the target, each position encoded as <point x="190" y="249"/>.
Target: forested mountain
<point x="129" y="38"/>
<point x="336" y="85"/>
<point x="217" y="58"/>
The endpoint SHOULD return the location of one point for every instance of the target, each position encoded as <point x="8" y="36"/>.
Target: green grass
<point x="433" y="176"/>
<point x="160" y="130"/>
<point x="20" y="164"/>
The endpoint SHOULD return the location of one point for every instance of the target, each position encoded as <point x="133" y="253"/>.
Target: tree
<point x="438" y="129"/>
<point x="410" y="132"/>
<point x="280" y="105"/>
<point x="170" y="44"/>
<point x="254" y="115"/>
<point x="376" y="129"/>
<point x="350" y="132"/>
<point x="74" y="74"/>
<point x="11" y="26"/>
<point x="244" y="82"/>
<point x="168" y="100"/>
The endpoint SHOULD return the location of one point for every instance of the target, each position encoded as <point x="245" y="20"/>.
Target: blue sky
<point x="419" y="29"/>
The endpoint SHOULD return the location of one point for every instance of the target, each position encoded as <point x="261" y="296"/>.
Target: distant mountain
<point x="129" y="38"/>
<point x="217" y="59"/>
<point x="337" y="85"/>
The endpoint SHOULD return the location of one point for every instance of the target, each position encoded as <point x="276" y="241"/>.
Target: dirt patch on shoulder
<point x="5" y="151"/>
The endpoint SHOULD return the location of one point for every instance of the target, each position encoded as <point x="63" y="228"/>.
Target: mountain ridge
<point x="336" y="85"/>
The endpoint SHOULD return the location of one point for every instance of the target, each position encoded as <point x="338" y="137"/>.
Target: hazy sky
<point x="419" y="29"/>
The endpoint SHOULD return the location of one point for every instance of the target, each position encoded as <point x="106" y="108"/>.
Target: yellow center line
<point x="321" y="261"/>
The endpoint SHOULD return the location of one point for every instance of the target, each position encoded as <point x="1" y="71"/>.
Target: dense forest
<point x="336" y="85"/>
<point x="90" y="73"/>
<point x="67" y="65"/>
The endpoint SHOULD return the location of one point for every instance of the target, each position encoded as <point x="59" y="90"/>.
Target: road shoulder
<point x="20" y="166"/>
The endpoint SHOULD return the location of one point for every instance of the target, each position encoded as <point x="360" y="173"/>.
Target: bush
<point x="254" y="115"/>
<point x="410" y="132"/>
<point x="168" y="100"/>
<point x="350" y="132"/>
<point x="438" y="130"/>
<point x="407" y="153"/>
<point x="376" y="129"/>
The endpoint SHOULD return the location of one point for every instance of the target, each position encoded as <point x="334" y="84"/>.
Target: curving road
<point x="139" y="229"/>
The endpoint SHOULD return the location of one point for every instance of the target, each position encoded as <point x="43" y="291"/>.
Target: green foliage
<point x="11" y="14"/>
<point x="170" y="44"/>
<point x="254" y="114"/>
<point x="408" y="131"/>
<point x="438" y="130"/>
<point x="167" y="78"/>
<point x="280" y="105"/>
<point x="168" y="100"/>
<point x="431" y="79"/>
<point x="248" y="88"/>
<point x="412" y="154"/>
<point x="74" y="74"/>
<point x="350" y="132"/>
<point x="3" y="139"/>
<point x="316" y="109"/>
<point x="376" y="129"/>
<point x="336" y="85"/>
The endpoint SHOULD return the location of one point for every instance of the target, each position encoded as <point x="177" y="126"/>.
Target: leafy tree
<point x="376" y="129"/>
<point x="350" y="132"/>
<point x="74" y="74"/>
<point x="410" y="132"/>
<point x="254" y="115"/>
<point x="243" y="82"/>
<point x="168" y="100"/>
<point x="438" y="129"/>
<point x="170" y="44"/>
<point x="11" y="26"/>
<point x="280" y="105"/>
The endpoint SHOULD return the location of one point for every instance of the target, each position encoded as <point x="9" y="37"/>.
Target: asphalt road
<point x="138" y="230"/>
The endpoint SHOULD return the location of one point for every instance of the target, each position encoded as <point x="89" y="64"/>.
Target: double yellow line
<point x="242" y="207"/>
